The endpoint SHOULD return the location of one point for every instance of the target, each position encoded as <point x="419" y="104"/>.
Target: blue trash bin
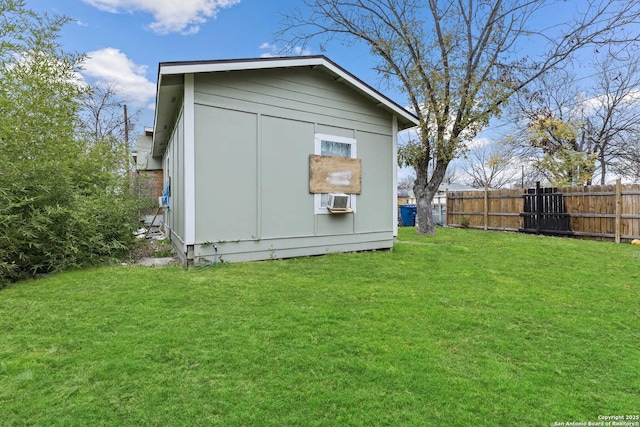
<point x="408" y="215"/>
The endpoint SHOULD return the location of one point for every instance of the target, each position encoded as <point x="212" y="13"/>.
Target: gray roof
<point x="455" y="187"/>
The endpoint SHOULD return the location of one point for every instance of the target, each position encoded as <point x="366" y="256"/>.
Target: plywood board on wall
<point x="328" y="174"/>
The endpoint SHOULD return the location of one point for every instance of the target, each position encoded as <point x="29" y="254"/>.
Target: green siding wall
<point x="305" y="95"/>
<point x="226" y="174"/>
<point x="287" y="205"/>
<point x="374" y="211"/>
<point x="254" y="132"/>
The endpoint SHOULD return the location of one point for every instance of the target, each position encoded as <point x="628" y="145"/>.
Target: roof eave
<point x="405" y="118"/>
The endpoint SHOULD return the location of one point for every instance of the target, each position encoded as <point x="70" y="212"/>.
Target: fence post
<point x="538" y="208"/>
<point x="618" y="208"/>
<point x="486" y="207"/>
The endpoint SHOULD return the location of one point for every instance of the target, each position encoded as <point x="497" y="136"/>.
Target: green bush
<point x="64" y="202"/>
<point x="55" y="224"/>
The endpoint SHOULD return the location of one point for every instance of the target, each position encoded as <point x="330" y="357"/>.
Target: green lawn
<point x="466" y="328"/>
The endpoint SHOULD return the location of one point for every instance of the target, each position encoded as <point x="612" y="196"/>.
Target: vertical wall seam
<point x="315" y="217"/>
<point x="259" y="176"/>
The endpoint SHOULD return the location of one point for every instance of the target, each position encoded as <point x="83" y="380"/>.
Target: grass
<point x="464" y="328"/>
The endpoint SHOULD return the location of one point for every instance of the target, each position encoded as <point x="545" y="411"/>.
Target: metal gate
<point x="545" y="212"/>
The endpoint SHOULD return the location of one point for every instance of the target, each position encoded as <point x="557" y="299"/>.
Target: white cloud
<point x="593" y="104"/>
<point x="274" y="50"/>
<point x="184" y="16"/>
<point x="300" y="51"/>
<point x="110" y="66"/>
<point x="478" y="143"/>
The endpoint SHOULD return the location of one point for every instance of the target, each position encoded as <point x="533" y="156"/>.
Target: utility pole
<point x="126" y="126"/>
<point x="126" y="142"/>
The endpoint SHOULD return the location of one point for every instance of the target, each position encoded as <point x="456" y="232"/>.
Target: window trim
<point x="317" y="149"/>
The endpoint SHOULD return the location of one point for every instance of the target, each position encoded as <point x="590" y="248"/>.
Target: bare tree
<point x="103" y="115"/>
<point x="612" y="117"/>
<point x="451" y="175"/>
<point x="458" y="61"/>
<point x="628" y="161"/>
<point x="406" y="183"/>
<point x="491" y="165"/>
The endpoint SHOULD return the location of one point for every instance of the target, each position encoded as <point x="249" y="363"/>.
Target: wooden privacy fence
<point x="599" y="212"/>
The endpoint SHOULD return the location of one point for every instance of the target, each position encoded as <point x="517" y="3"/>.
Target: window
<point x="337" y="146"/>
<point x="335" y="149"/>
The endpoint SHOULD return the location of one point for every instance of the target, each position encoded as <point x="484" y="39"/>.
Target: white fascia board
<point x="217" y="66"/>
<point x="155" y="114"/>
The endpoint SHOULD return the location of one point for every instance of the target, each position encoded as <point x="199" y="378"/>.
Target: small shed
<point x="274" y="158"/>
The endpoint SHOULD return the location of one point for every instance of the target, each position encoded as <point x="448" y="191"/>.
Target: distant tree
<point x="628" y="161"/>
<point x="490" y="165"/>
<point x="451" y="175"/>
<point x="458" y="62"/>
<point x="612" y="116"/>
<point x="406" y="182"/>
<point x="597" y="123"/>
<point x="565" y="162"/>
<point x="102" y="117"/>
<point x="62" y="204"/>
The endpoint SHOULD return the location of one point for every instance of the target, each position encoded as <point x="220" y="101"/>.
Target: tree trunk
<point x="425" y="190"/>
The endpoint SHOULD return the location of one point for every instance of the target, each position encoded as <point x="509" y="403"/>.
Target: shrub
<point x="64" y="202"/>
<point x="56" y="224"/>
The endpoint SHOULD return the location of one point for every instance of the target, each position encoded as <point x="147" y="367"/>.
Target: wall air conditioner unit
<point x="338" y="203"/>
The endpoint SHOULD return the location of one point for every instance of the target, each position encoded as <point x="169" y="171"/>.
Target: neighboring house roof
<point x="451" y="186"/>
<point x="403" y="193"/>
<point x="170" y="84"/>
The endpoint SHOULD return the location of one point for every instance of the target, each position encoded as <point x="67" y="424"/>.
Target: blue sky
<point x="126" y="39"/>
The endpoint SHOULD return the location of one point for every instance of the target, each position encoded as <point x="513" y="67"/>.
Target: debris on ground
<point x="154" y="248"/>
<point x="153" y="226"/>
